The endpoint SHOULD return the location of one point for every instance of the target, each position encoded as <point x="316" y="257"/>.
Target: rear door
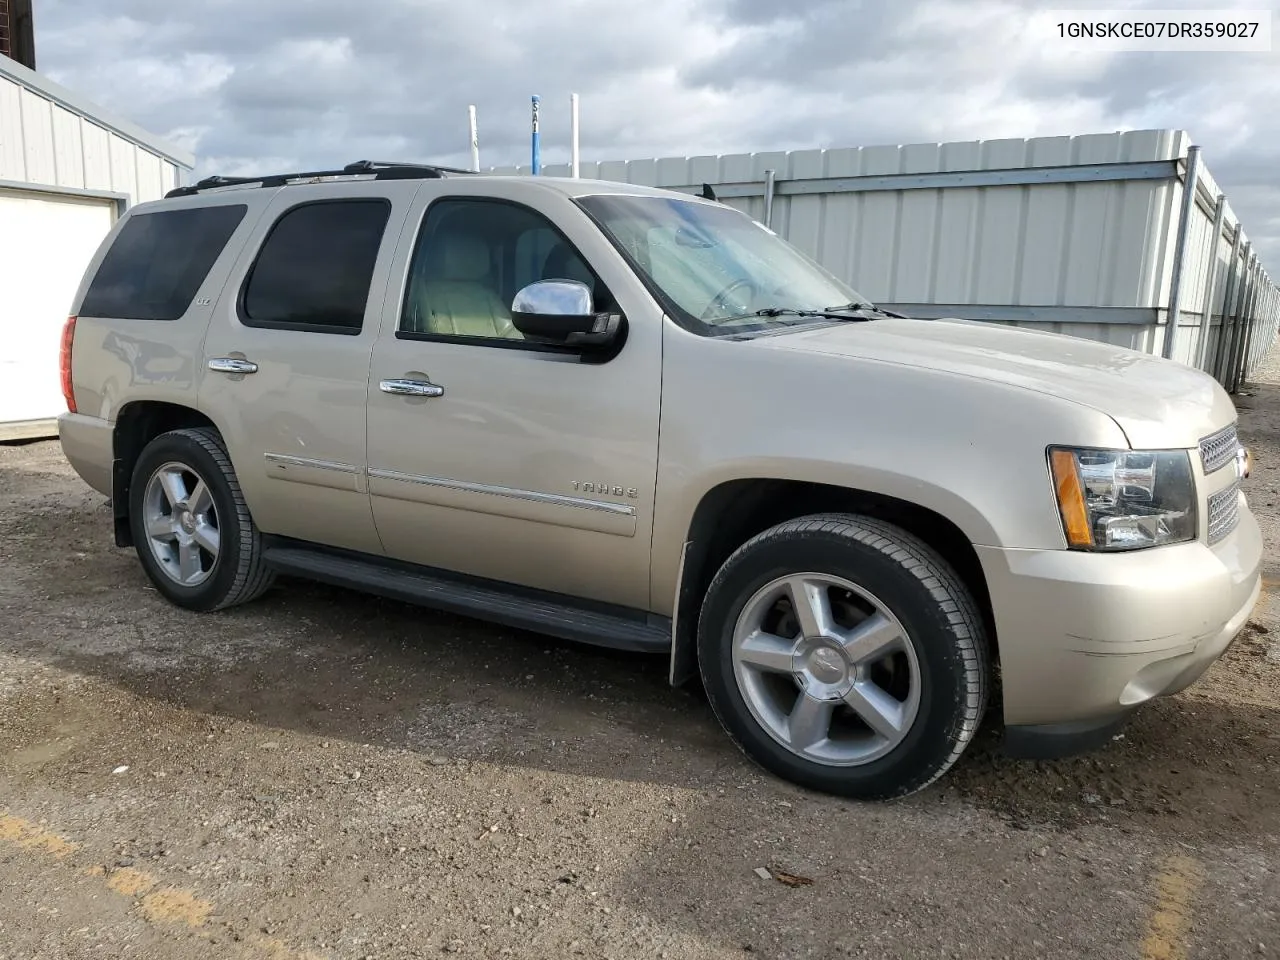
<point x="286" y="359"/>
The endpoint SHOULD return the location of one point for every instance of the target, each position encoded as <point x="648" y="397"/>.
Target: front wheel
<point x="844" y="654"/>
<point x="191" y="526"/>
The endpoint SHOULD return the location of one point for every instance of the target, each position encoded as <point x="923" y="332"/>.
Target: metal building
<point x="67" y="170"/>
<point x="1094" y="236"/>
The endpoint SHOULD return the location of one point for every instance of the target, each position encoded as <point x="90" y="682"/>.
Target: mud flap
<point x="120" y="503"/>
<point x="684" y="626"/>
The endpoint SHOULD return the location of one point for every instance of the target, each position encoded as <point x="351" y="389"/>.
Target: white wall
<point x="45" y="241"/>
<point x="66" y="168"/>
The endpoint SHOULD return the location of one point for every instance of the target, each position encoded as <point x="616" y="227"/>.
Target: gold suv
<point x="638" y="418"/>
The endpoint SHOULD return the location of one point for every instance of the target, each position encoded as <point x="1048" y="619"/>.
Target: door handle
<point x="411" y="388"/>
<point x="232" y="365"/>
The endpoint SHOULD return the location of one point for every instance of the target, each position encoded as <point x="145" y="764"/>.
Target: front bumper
<point x="1084" y="638"/>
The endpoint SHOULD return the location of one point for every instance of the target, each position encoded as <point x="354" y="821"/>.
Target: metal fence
<point x="1094" y="236"/>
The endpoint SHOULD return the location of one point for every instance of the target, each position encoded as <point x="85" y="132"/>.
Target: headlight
<point x="1124" y="499"/>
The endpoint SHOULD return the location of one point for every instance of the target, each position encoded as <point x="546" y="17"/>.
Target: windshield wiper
<point x="829" y="314"/>
<point x="867" y="308"/>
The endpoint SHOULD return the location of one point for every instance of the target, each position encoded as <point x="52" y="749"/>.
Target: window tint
<point x="158" y="261"/>
<point x="470" y="260"/>
<point x="315" y="268"/>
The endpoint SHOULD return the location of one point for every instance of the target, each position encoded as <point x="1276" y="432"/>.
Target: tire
<point x="233" y="575"/>
<point x="925" y="697"/>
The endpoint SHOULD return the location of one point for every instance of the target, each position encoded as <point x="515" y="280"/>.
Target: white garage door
<point x="46" y="241"/>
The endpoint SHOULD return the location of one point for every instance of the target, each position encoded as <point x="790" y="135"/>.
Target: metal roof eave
<point x="95" y="114"/>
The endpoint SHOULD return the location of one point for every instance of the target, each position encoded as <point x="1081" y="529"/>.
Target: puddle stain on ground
<point x="32" y="836"/>
<point x="157" y="904"/>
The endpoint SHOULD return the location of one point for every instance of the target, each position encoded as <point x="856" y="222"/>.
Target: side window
<point x="158" y="261"/>
<point x="470" y="259"/>
<point x="315" y="267"/>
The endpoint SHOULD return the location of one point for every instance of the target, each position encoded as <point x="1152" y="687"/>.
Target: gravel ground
<point x="328" y="775"/>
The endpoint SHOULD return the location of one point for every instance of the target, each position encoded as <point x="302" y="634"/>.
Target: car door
<point x="527" y="464"/>
<point x="286" y="357"/>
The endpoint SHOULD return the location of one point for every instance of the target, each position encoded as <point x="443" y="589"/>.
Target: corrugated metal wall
<point x="1071" y="234"/>
<point x="1224" y="282"/>
<point x="43" y="142"/>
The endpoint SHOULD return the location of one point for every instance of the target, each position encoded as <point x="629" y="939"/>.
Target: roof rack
<point x="373" y="169"/>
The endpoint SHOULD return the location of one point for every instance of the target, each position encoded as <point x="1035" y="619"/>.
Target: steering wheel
<point x="718" y="303"/>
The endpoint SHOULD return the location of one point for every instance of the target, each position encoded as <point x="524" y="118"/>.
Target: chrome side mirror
<point x="547" y="298"/>
<point x="559" y="311"/>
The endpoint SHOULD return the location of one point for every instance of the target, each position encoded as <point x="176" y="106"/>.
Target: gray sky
<point x="255" y="85"/>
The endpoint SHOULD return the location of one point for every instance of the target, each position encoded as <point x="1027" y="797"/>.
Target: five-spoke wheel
<point x="182" y="523"/>
<point x="843" y="653"/>
<point x="826" y="668"/>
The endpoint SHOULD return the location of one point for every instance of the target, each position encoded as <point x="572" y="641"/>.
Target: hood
<point x="1156" y="402"/>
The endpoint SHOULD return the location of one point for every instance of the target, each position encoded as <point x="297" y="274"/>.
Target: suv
<point x="638" y="418"/>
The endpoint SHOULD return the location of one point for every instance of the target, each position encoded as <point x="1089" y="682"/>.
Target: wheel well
<point x="734" y="512"/>
<point x="138" y="424"/>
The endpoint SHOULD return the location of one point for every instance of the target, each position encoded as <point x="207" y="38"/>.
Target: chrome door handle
<point x="232" y="365"/>
<point x="412" y="388"/>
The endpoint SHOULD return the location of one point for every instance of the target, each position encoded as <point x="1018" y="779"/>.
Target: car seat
<point x="457" y="295"/>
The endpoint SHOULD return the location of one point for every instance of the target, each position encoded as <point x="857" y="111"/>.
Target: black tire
<point x="238" y="574"/>
<point x="923" y="593"/>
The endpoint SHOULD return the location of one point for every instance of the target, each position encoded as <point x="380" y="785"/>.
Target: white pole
<point x="475" y="139"/>
<point x="573" y="112"/>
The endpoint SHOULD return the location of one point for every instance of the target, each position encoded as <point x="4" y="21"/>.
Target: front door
<point x="526" y="464"/>
<point x="286" y="359"/>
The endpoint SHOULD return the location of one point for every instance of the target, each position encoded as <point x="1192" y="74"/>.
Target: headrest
<point x="563" y="263"/>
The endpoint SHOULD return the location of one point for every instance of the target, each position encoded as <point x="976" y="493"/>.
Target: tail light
<point x="64" y="363"/>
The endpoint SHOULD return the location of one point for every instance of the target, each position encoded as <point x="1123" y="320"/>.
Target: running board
<point x="479" y="600"/>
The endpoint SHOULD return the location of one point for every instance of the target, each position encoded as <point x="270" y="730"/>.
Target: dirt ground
<point x="327" y="775"/>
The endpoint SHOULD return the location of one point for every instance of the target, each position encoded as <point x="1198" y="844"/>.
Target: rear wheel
<point x="192" y="529"/>
<point x="842" y="653"/>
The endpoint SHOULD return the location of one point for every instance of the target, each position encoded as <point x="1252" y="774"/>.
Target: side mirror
<point x="559" y="311"/>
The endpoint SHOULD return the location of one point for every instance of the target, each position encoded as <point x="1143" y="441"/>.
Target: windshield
<point x="715" y="267"/>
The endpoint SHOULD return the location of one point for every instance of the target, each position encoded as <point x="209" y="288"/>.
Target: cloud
<point x="251" y="85"/>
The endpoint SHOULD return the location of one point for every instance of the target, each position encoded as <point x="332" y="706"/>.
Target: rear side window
<point x="158" y="261"/>
<point x="315" y="267"/>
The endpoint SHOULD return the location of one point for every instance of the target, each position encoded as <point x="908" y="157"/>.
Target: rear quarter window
<point x="315" y="267"/>
<point x="158" y="261"/>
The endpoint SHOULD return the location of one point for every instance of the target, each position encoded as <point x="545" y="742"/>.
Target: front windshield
<point x="714" y="266"/>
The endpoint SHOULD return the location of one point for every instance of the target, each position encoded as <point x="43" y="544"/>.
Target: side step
<point x="513" y="609"/>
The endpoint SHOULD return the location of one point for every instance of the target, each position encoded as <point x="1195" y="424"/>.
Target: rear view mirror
<point x="559" y="311"/>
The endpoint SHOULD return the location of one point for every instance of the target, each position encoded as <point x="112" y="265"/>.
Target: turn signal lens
<point x="1075" y="515"/>
<point x="64" y="363"/>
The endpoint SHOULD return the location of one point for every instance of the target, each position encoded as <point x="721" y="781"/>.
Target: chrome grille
<point x="1224" y="512"/>
<point x="1218" y="449"/>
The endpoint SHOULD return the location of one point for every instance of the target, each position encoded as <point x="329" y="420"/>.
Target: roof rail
<point x="373" y="169"/>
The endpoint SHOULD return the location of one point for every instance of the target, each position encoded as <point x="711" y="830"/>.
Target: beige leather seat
<point x="457" y="294"/>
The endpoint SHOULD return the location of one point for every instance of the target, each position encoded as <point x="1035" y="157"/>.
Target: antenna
<point x="475" y="139"/>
